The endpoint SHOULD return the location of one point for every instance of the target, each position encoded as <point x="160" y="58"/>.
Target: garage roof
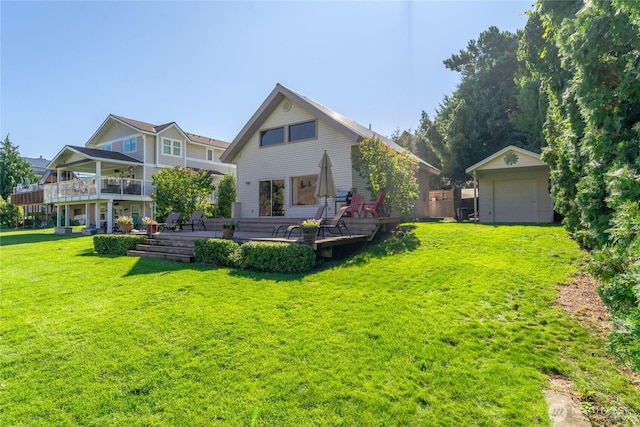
<point x="509" y="157"/>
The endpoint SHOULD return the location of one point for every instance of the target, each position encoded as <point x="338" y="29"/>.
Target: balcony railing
<point x="109" y="187"/>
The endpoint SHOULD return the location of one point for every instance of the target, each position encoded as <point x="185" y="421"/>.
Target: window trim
<point x="129" y="140"/>
<point x="293" y="190"/>
<point x="284" y="136"/>
<point x="172" y="147"/>
<point x="315" y="136"/>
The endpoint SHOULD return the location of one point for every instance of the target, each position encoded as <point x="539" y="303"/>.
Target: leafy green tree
<point x="491" y="107"/>
<point x="183" y="190"/>
<point x="14" y="169"/>
<point x="10" y="215"/>
<point x="386" y="169"/>
<point x="226" y="195"/>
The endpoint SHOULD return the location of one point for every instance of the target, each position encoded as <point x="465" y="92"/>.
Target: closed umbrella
<point x="326" y="186"/>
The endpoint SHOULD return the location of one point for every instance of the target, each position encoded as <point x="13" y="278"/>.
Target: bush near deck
<point x="116" y="244"/>
<point x="222" y="252"/>
<point x="277" y="257"/>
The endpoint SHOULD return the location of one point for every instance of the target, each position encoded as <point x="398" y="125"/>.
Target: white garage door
<point x="515" y="201"/>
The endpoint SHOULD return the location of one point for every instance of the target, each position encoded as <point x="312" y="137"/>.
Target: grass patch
<point x="452" y="325"/>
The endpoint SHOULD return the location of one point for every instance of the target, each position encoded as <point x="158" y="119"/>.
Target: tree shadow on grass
<point x="404" y="240"/>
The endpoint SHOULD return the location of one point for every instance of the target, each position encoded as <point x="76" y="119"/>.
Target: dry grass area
<point x="581" y="300"/>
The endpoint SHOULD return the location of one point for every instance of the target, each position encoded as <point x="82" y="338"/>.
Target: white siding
<point x="289" y="160"/>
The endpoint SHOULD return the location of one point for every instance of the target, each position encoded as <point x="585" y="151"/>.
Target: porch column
<point x="58" y="215"/>
<point x="96" y="219"/>
<point x="87" y="214"/>
<point x="109" y="216"/>
<point x="67" y="220"/>
<point x="98" y="178"/>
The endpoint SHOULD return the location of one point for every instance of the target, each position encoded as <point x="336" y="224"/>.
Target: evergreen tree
<point x="14" y="169"/>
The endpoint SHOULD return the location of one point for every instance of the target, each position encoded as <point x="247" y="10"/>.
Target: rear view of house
<point x="277" y="153"/>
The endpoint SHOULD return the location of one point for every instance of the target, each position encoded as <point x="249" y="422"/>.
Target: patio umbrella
<point x="326" y="186"/>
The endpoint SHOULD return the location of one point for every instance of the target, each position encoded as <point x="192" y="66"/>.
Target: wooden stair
<point x="171" y="248"/>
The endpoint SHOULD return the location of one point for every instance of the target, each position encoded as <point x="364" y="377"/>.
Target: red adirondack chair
<point x="356" y="205"/>
<point x="373" y="208"/>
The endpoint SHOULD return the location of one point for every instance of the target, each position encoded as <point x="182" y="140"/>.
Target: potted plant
<point x="228" y="227"/>
<point x="125" y="223"/>
<point x="150" y="225"/>
<point x="310" y="228"/>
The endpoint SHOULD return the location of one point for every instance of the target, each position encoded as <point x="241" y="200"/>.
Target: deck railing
<point x="109" y="186"/>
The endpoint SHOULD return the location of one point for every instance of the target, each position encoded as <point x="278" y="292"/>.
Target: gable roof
<point x="533" y="159"/>
<point x="353" y="130"/>
<point x="152" y="129"/>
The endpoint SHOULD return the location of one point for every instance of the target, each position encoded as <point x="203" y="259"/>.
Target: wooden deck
<point x="362" y="230"/>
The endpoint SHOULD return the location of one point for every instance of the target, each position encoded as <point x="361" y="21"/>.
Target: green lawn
<point x="452" y="325"/>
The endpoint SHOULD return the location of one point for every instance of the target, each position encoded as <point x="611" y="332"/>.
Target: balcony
<point x="85" y="189"/>
<point x="27" y="194"/>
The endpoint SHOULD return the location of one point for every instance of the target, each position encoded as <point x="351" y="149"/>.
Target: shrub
<point x="114" y="244"/>
<point x="277" y="257"/>
<point x="217" y="251"/>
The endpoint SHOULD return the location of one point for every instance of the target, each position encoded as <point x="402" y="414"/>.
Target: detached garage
<point x="513" y="186"/>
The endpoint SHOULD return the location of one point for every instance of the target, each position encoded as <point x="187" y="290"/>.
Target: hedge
<point x="116" y="244"/>
<point x="222" y="252"/>
<point x="277" y="257"/>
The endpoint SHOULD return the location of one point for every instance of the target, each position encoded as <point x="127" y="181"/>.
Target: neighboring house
<point x="514" y="186"/>
<point x="112" y="173"/>
<point x="278" y="151"/>
<point x="29" y="195"/>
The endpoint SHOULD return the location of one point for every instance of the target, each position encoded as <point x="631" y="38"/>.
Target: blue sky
<point x="208" y="65"/>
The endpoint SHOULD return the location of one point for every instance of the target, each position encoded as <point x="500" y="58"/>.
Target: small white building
<point x="277" y="154"/>
<point x="514" y="187"/>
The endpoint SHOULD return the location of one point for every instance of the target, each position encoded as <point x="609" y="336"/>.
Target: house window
<point x="272" y="137"/>
<point x="171" y="147"/>
<point x="130" y="145"/>
<point x="303" y="190"/>
<point x="302" y="131"/>
<point x="106" y="147"/>
<point x="271" y="197"/>
<point x="210" y="155"/>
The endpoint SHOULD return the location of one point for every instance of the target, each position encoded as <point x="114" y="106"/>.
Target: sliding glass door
<point x="271" y="194"/>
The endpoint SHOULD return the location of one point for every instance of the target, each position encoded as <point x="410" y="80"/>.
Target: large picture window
<point x="272" y="137"/>
<point x="271" y="197"/>
<point x="302" y="131"/>
<point x="303" y="190"/>
<point x="171" y="147"/>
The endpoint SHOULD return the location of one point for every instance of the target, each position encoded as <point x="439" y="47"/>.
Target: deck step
<point x="162" y="255"/>
<point x="165" y="249"/>
<point x="171" y="248"/>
